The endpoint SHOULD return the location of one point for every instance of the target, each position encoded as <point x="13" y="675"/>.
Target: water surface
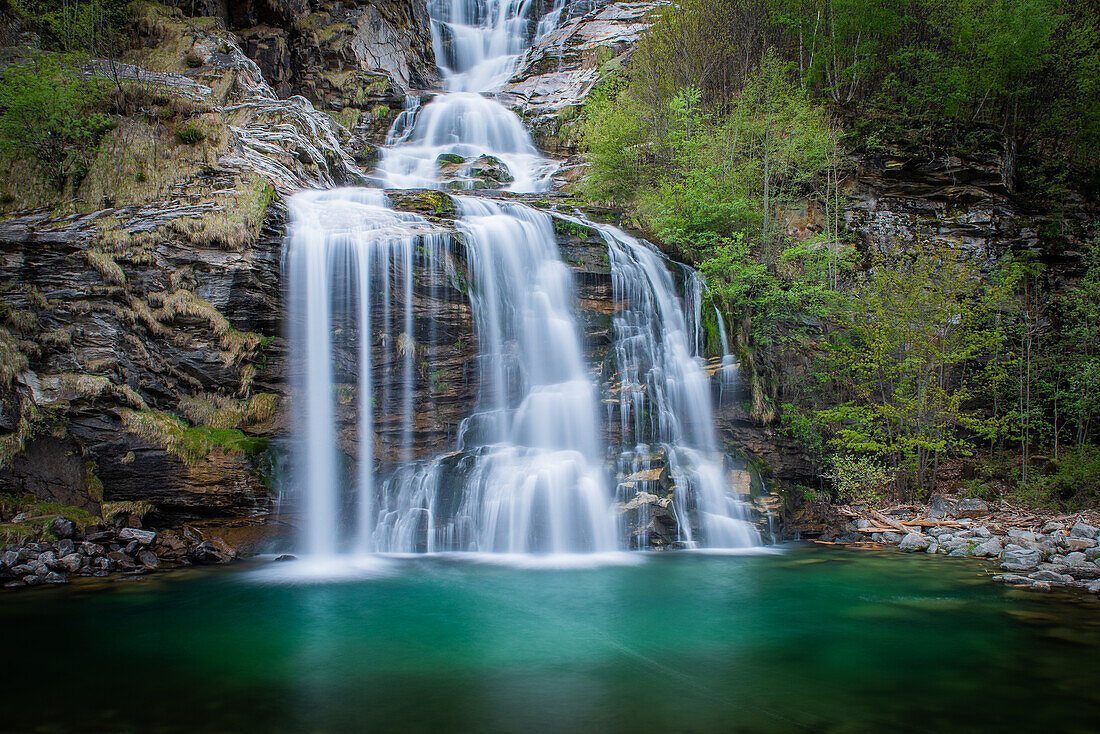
<point x="812" y="639"/>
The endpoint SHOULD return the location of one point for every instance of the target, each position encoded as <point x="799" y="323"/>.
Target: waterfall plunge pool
<point x="810" y="639"/>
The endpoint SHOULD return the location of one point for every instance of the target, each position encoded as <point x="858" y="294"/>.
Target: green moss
<point x="93" y="483"/>
<point x="572" y="229"/>
<point x="40" y="515"/>
<point x="191" y="444"/>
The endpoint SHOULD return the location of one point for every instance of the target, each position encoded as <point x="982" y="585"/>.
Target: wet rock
<point x="22" y="569"/>
<point x="286" y="557"/>
<point x="891" y="537"/>
<point x="33" y="580"/>
<point x="91" y="549"/>
<point x="102" y="563"/>
<point x="1094" y="587"/>
<point x="210" y="552"/>
<point x="1050" y="576"/>
<point x="53" y="577"/>
<point x="914" y="542"/>
<point x="149" y="559"/>
<point x="9" y="558"/>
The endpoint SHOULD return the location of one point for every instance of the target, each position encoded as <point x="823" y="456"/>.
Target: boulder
<point x="971" y="507"/>
<point x="988" y="549"/>
<point x="1084" y="571"/>
<point x="72" y="562"/>
<point x="1083" y="530"/>
<point x="1079" y="544"/>
<point x="1075" y="558"/>
<point x="149" y="559"/>
<point x="1012" y="578"/>
<point x="914" y="542"/>
<point x="210" y="552"/>
<point x="1050" y="576"/>
<point x="1020" y="560"/>
<point x="1094" y="587"/>
<point x="62" y="528"/>
<point x="53" y="577"/>
<point x="144" y="537"/>
<point x="1052" y="526"/>
<point x="1092" y="554"/>
<point x="940" y="507"/>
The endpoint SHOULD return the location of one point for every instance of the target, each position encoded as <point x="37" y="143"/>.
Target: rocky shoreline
<point x="1034" y="551"/>
<point x="99" y="550"/>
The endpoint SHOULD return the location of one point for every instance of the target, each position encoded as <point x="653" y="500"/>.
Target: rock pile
<point x="1057" y="554"/>
<point x="99" y="551"/>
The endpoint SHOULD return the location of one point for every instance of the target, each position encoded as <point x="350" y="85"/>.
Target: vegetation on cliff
<point x="923" y="365"/>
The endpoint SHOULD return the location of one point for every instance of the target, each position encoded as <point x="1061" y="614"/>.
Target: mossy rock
<point x="428" y="203"/>
<point x="452" y="159"/>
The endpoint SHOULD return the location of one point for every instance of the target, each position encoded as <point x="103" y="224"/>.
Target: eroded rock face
<point x="557" y="73"/>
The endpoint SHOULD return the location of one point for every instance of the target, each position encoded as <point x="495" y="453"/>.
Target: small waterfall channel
<point x="534" y="466"/>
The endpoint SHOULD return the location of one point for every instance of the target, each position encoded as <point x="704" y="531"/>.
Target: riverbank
<point x="100" y="550"/>
<point x="1034" y="549"/>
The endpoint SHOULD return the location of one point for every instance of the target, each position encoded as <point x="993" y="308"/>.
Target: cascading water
<point x="531" y="472"/>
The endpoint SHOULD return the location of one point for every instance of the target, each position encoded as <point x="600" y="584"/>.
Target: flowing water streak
<point x="531" y="479"/>
<point x="665" y="397"/>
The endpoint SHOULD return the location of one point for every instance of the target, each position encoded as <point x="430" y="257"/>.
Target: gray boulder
<point x="144" y="537"/>
<point x="1083" y="530"/>
<point x="62" y="528"/>
<point x="1050" y="576"/>
<point x="914" y="542"/>
<point x="1094" y="587"/>
<point x="988" y="549"/>
<point x="1020" y="560"/>
<point x="971" y="507"/>
<point x="1051" y="526"/>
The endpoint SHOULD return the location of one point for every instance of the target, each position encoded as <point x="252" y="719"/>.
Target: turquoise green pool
<point x="812" y="639"/>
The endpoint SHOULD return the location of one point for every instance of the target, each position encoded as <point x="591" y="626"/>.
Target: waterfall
<point x="530" y="470"/>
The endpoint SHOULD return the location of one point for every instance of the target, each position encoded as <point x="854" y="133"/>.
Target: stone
<point x="33" y="580"/>
<point x="132" y="548"/>
<point x="1025" y="535"/>
<point x="988" y="549"/>
<point x="1050" y="576"/>
<point x="123" y="561"/>
<point x="1041" y="586"/>
<point x="1094" y="587"/>
<point x="9" y="558"/>
<point x="1083" y="530"/>
<point x="892" y="537"/>
<point x="914" y="542"/>
<point x="144" y="537"/>
<point x="286" y="557"/>
<point x="971" y="507"/>
<point x="149" y="559"/>
<point x="939" y="506"/>
<point x="1084" y="571"/>
<point x="1020" y="560"/>
<point x="1012" y="578"/>
<point x="210" y="552"/>
<point x="53" y="577"/>
<point x="102" y="563"/>
<point x="72" y="562"/>
<point x="1092" y="554"/>
<point x="1074" y="559"/>
<point x="960" y="552"/>
<point x="1080" y="544"/>
<point x="22" y="569"/>
<point x="65" y="547"/>
<point x="982" y="532"/>
<point x="62" y="528"/>
<point x="1051" y="526"/>
<point x="933" y="547"/>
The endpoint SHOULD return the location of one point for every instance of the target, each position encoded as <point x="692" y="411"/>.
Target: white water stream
<point x="530" y="472"/>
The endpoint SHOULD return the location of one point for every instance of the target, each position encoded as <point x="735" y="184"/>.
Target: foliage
<point x="89" y="26"/>
<point x="861" y="480"/>
<point x="1074" y="484"/>
<point x="189" y="135"/>
<point x="905" y="363"/>
<point x="51" y="114"/>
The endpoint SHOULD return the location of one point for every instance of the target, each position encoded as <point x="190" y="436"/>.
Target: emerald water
<point x="809" y="639"/>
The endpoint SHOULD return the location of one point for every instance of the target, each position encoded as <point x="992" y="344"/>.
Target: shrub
<point x="1074" y="485"/>
<point x="861" y="480"/>
<point x="52" y="115"/>
<point x="189" y="135"/>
